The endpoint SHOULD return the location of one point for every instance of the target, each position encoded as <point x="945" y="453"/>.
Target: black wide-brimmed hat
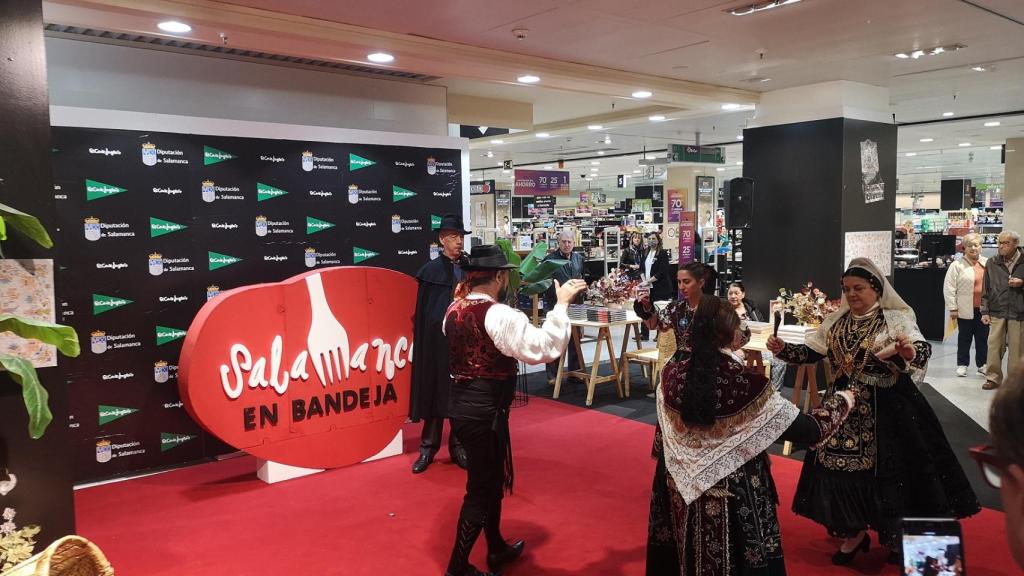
<point x="453" y="222"/>
<point x="486" y="257"/>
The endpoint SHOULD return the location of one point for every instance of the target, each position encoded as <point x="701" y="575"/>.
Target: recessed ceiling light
<point x="927" y="139"/>
<point x="642" y="94"/>
<point x="995" y="147"/>
<point x="731" y="106"/>
<point x="490" y="154"/>
<point x="978" y="68"/>
<point x="595" y="127"/>
<point x="607" y="139"/>
<point x="636" y="171"/>
<point x="542" y="134"/>
<point x="947" y="114"/>
<point x="740" y="163"/>
<point x="902" y="55"/>
<point x="174" y="27"/>
<point x="720" y="169"/>
<point x="656" y="118"/>
<point x="964" y="144"/>
<point x="600" y="152"/>
<point x="759" y="7"/>
<point x="991" y="124"/>
<point x="595" y="169"/>
<point x="528" y="79"/>
<point x="908" y="154"/>
<point x="547" y="167"/>
<point x="380" y="57"/>
<point x="497" y="141"/>
<point x="763" y="80"/>
<point x="589" y="178"/>
<point x="739" y="137"/>
<point x="594" y="163"/>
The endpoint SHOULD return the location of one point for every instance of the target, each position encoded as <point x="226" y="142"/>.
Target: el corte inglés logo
<point x="102" y="303"/>
<point x="356" y="162"/>
<point x="218" y="260"/>
<point x="213" y="156"/>
<point x="96" y="190"/>
<point x="165" y="335"/>
<point x="169" y="440"/>
<point x="398" y="194"/>
<point x="314" y="225"/>
<point x="267" y="192"/>
<point x="158" y="227"/>
<point x="362" y="254"/>
<point x="108" y="414"/>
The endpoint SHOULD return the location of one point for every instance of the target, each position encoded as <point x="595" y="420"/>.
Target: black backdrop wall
<point x="154" y="224"/>
<point x="43" y="494"/>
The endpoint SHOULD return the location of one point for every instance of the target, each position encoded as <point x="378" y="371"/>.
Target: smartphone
<point x="933" y="546"/>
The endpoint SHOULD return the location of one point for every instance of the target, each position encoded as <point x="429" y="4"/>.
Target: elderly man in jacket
<point x="1002" y="308"/>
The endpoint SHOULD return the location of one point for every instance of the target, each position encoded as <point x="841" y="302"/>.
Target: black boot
<point x="458" y="454"/>
<point x="841" y="558"/>
<point x="466" y="534"/>
<point x="421" y="463"/>
<point x="496" y="560"/>
<point x="499" y="552"/>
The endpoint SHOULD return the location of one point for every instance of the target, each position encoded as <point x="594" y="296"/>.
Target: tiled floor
<point x="965" y="393"/>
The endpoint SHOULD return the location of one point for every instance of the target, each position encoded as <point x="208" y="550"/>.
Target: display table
<point x="604" y="339"/>
<point x="922" y="290"/>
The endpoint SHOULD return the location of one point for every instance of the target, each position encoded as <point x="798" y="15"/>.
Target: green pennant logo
<point x="158" y="227"/>
<point x="169" y="441"/>
<point x="398" y="194"/>
<point x="166" y="335"/>
<point x="95" y="190"/>
<point x="267" y="192"/>
<point x="102" y="303"/>
<point x="362" y="254"/>
<point x="218" y="260"/>
<point x="314" y="225"/>
<point x="213" y="156"/>
<point x="435" y="221"/>
<point x="356" y="162"/>
<point x="110" y="413"/>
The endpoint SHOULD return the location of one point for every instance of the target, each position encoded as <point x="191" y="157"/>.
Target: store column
<point x="38" y="490"/>
<point x="1013" y="192"/>
<point x="823" y="161"/>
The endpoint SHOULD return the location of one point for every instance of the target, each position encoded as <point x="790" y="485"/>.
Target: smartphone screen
<point x="933" y="547"/>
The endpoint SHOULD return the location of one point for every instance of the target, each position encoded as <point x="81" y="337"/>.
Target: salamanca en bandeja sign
<point x="313" y="371"/>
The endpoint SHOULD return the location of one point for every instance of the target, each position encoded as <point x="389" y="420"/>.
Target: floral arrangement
<point x="809" y="306"/>
<point x="612" y="290"/>
<point x="16" y="544"/>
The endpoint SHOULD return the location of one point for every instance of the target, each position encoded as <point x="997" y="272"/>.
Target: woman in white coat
<point x="962" y="290"/>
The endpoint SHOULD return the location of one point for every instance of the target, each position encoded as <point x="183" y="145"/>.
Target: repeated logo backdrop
<point x="154" y="224"/>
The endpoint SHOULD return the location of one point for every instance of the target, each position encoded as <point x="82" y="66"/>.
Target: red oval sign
<point x="313" y="371"/>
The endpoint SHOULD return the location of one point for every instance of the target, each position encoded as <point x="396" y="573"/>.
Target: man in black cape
<point x="431" y="380"/>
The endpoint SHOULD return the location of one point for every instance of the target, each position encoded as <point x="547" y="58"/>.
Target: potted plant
<point x="62" y="337"/>
<point x="533" y="275"/>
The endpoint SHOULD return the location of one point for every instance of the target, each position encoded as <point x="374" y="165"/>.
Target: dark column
<point x="43" y="494"/>
<point x="808" y="193"/>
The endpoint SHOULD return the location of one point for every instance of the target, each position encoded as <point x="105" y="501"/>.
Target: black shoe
<point x="511" y="552"/>
<point x="841" y="558"/>
<point x="458" y="454"/>
<point x="894" y="557"/>
<point x="472" y="571"/>
<point x="421" y="463"/>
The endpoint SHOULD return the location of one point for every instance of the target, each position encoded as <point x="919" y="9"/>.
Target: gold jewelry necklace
<point x="850" y="339"/>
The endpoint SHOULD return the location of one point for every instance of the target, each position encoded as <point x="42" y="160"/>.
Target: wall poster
<point x="874" y="245"/>
<point x="152" y="225"/>
<point x="874" y="188"/>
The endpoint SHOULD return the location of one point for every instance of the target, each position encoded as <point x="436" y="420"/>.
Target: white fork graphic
<point x="328" y="341"/>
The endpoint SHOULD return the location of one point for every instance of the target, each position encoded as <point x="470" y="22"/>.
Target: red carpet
<point x="582" y="486"/>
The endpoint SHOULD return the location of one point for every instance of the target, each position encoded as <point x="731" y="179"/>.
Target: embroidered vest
<point x="471" y="352"/>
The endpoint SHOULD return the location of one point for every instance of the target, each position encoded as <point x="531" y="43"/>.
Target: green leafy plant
<point x="63" y="337"/>
<point x="533" y="275"/>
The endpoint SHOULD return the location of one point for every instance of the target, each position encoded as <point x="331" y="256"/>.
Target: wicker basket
<point x="68" y="556"/>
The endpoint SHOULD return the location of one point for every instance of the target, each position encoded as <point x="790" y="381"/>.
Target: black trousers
<point x="485" y="479"/>
<point x="430" y="439"/>
<point x="972" y="330"/>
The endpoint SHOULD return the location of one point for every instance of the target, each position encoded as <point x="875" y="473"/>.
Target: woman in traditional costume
<point x="890" y="459"/>
<point x="713" y="506"/>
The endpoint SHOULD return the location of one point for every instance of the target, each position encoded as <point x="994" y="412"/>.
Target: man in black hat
<point x="430" y="377"/>
<point x="486" y="341"/>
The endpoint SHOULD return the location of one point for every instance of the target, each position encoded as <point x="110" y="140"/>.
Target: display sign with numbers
<point x="542" y="183"/>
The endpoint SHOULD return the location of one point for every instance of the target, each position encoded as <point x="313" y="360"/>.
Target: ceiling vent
<point x="219" y="51"/>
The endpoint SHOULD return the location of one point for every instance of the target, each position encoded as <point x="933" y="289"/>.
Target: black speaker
<point x="739" y="202"/>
